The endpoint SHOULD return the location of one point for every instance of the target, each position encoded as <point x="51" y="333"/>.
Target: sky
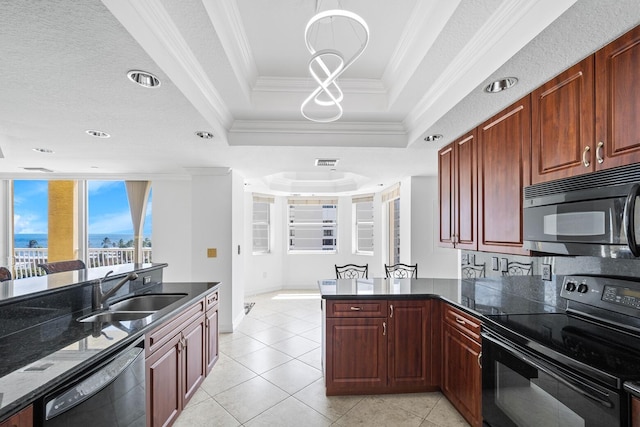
<point x="108" y="208"/>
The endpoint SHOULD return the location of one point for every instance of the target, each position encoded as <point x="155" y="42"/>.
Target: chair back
<point x="352" y="271"/>
<point x="58" y="266"/>
<point x="401" y="271"/>
<point x="519" y="269"/>
<point x="5" y="274"/>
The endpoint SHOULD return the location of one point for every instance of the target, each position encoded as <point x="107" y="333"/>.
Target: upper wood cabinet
<point x="458" y="192"/>
<point x="504" y="147"/>
<point x="562" y="125"/>
<point x="618" y="102"/>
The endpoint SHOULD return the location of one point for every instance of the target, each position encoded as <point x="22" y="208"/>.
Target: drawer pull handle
<point x="356" y="308"/>
<point x="480" y="359"/>
<point x="391" y="315"/>
<point x="460" y="320"/>
<point x="384" y="328"/>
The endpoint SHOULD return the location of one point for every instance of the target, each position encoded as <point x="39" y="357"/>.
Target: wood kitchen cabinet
<point x="635" y="412"/>
<point x="458" y="193"/>
<point x="24" y="418"/>
<point x="211" y="331"/>
<point x="504" y="145"/>
<point x="461" y="363"/>
<point x="175" y="364"/>
<point x="378" y="346"/>
<point x="617" y="86"/>
<point x="562" y="130"/>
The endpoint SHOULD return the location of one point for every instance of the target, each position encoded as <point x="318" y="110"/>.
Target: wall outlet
<point x="494" y="263"/>
<point x="465" y="258"/>
<point x="504" y="265"/>
<point x="472" y="259"/>
<point x="546" y="272"/>
<point x="146" y="280"/>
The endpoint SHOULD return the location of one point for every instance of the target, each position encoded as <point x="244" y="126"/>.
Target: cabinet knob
<point x="600" y="152"/>
<point x="460" y="320"/>
<point x="586" y="162"/>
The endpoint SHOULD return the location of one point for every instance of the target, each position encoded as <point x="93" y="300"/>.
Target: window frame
<point x="322" y="227"/>
<point x="268" y="201"/>
<point x="358" y="224"/>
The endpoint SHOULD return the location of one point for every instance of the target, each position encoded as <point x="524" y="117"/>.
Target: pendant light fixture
<point x="326" y="65"/>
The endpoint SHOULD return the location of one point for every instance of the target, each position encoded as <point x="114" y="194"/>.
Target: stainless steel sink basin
<point x="148" y="302"/>
<point x="115" y="316"/>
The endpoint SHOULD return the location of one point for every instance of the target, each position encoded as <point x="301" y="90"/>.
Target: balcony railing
<point x="27" y="259"/>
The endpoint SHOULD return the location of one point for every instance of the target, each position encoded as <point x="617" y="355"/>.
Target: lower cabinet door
<point x="193" y="341"/>
<point x="164" y="394"/>
<point x="409" y="345"/>
<point x="23" y="418"/>
<point x="211" y="324"/>
<point x="356" y="355"/>
<point x="461" y="376"/>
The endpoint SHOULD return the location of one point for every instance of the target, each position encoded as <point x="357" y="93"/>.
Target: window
<point x="392" y="198"/>
<point x="313" y="225"/>
<point x="262" y="224"/>
<point x="363" y="224"/>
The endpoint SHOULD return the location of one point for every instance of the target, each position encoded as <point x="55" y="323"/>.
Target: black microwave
<point x="597" y="214"/>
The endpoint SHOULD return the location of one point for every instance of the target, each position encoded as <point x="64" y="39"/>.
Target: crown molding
<point x="151" y="26"/>
<point x="227" y="22"/>
<point x="514" y="24"/>
<point x="427" y="21"/>
<point x="298" y="127"/>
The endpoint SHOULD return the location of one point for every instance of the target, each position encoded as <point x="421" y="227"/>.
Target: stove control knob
<point x="570" y="286"/>
<point x="583" y="288"/>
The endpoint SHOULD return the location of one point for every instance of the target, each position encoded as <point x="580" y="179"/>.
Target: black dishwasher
<point x="109" y="394"/>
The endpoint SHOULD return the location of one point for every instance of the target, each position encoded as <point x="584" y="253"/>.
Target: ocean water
<point x="95" y="240"/>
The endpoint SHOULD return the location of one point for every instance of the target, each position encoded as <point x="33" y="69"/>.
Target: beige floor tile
<point x="226" y="373"/>
<point x="419" y="404"/>
<point x="240" y="347"/>
<point x="314" y="334"/>
<point x="230" y="336"/>
<point x="205" y="414"/>
<point x="445" y="415"/>
<point x="272" y="335"/>
<point x="313" y="358"/>
<point x="332" y="407"/>
<point x="199" y="396"/>
<point x="371" y="411"/>
<point x="250" y="398"/>
<point x="289" y="413"/>
<point x="297" y="326"/>
<point x="292" y="376"/>
<point x="277" y="319"/>
<point x="263" y="360"/>
<point x="295" y="346"/>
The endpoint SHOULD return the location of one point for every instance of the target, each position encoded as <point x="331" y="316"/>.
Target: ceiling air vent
<point x="38" y="170"/>
<point x="326" y="162"/>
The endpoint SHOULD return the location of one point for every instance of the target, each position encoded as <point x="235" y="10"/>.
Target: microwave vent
<point x="622" y="175"/>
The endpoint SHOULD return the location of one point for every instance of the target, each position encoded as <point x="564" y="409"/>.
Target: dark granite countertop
<point x="508" y="295"/>
<point x="38" y="358"/>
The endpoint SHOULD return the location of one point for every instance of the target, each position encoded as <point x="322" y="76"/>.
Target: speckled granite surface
<point x="42" y="344"/>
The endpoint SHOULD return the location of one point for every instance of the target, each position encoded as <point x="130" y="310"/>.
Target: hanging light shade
<point x="328" y="94"/>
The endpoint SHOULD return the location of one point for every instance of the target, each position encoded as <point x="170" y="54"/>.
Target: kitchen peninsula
<point x="404" y="335"/>
<point x="43" y="345"/>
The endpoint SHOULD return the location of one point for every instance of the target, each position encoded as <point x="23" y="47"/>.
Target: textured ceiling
<point x="238" y="68"/>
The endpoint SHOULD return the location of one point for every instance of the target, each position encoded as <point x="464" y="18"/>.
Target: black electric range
<point x="561" y="361"/>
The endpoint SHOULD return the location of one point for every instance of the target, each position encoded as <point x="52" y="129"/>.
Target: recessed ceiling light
<point x="45" y="170"/>
<point x="143" y="78"/>
<point x="204" y="134"/>
<point x="432" y="138"/>
<point x="43" y="150"/>
<point x="98" y="133"/>
<point x="500" y="85"/>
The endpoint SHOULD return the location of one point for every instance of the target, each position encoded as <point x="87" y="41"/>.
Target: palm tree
<point x="106" y="242"/>
<point x="33" y="244"/>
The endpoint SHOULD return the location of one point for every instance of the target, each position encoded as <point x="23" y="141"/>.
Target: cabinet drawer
<point x="357" y="308"/>
<point x="163" y="333"/>
<point x="211" y="300"/>
<point x="462" y="321"/>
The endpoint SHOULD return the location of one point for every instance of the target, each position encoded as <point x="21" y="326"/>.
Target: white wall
<point x="190" y="216"/>
<point x="432" y="260"/>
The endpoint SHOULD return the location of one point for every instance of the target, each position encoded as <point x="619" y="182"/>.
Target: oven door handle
<point x="547" y="371"/>
<point x="630" y="219"/>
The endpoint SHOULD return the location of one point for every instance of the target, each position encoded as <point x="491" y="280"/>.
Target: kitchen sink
<point x="148" y="302"/>
<point x="115" y="316"/>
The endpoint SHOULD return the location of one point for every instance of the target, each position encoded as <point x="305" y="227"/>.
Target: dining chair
<point x="58" y="266"/>
<point x="352" y="271"/>
<point x="474" y="271"/>
<point x="5" y="274"/>
<point x="518" y="269"/>
<point x="401" y="271"/>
